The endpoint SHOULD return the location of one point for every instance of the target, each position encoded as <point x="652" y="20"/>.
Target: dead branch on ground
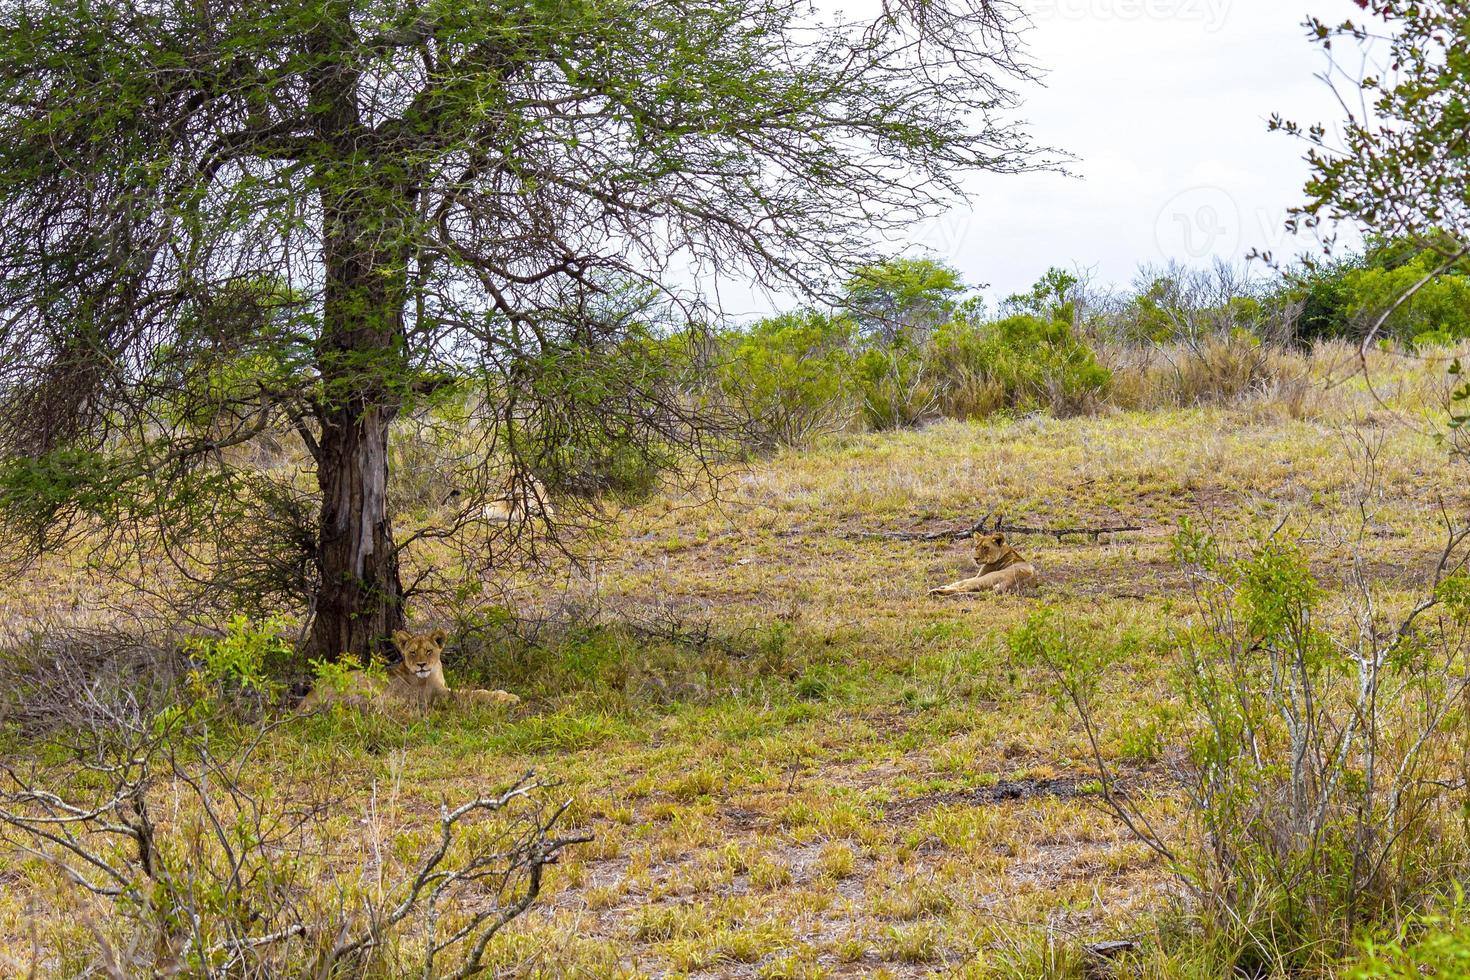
<point x="985" y="526"/>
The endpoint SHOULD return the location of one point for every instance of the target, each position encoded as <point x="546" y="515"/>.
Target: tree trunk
<point x="364" y="370"/>
<point x="360" y="598"/>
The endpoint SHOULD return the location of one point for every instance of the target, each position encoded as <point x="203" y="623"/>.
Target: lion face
<point x="989" y="548"/>
<point x="421" y="652"/>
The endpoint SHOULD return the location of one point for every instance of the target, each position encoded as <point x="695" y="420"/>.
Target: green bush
<point x="1320" y="757"/>
<point x="1322" y="765"/>
<point x="971" y="368"/>
<point x="1321" y="300"/>
<point x="1346" y="297"/>
<point x="1438" y="313"/>
<point x="789" y="376"/>
<point x="233" y="677"/>
<point x="1151" y="315"/>
<point x="250" y="656"/>
<point x="1021" y="362"/>
<point x="894" y="383"/>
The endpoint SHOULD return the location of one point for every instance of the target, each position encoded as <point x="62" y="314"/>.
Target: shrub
<point x="215" y="879"/>
<point x="249" y="657"/>
<point x="1319" y="300"/>
<point x="895" y="386"/>
<point x="235" y="677"/>
<point x="1220" y="369"/>
<point x="1319" y="766"/>
<point x="1345" y="298"/>
<point x="789" y="377"/>
<point x="1318" y="769"/>
<point x="1175" y="303"/>
<point x="608" y="416"/>
<point x="1320" y="772"/>
<point x="1437" y="314"/>
<point x="1150" y="316"/>
<point x="972" y="368"/>
<point x="1022" y="362"/>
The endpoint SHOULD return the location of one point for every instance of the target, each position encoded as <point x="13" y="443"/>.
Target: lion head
<point x="990" y="548"/>
<point x="421" y="653"/>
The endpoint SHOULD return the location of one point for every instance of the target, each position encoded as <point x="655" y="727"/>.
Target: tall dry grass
<point x="1226" y="369"/>
<point x="1330" y="379"/>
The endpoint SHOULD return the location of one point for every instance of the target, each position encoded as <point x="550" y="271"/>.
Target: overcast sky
<point x="1165" y="105"/>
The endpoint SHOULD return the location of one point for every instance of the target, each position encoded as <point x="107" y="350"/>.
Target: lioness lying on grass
<point x="1002" y="569"/>
<point x="418" y="678"/>
<point x="520" y="498"/>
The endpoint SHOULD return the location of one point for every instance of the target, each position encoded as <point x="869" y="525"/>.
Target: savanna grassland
<point x="794" y="763"/>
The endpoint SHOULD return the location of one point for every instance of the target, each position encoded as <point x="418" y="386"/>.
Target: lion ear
<point x="1000" y="539"/>
<point x="401" y="638"/>
<point x="439" y="636"/>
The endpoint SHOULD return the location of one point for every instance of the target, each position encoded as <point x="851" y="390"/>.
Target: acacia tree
<point x="224" y="219"/>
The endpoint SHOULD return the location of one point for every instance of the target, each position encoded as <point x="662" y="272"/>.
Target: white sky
<point x="1165" y="104"/>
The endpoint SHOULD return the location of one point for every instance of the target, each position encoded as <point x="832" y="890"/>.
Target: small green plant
<point x="1076" y="668"/>
<point x="801" y="965"/>
<point x="249" y="659"/>
<point x="837" y="861"/>
<point x="1145" y="742"/>
<point x="346" y="674"/>
<point x="914" y="944"/>
<point x="1426" y="945"/>
<point x="1459" y="398"/>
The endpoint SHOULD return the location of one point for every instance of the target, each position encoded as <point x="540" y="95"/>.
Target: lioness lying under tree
<point x="1002" y="569"/>
<point x="417" y="678"/>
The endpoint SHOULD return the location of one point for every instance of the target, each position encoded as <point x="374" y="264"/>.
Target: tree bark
<point x="360" y="599"/>
<point x="364" y="369"/>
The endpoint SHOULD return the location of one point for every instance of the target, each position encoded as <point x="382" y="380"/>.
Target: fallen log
<point x="984" y="525"/>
